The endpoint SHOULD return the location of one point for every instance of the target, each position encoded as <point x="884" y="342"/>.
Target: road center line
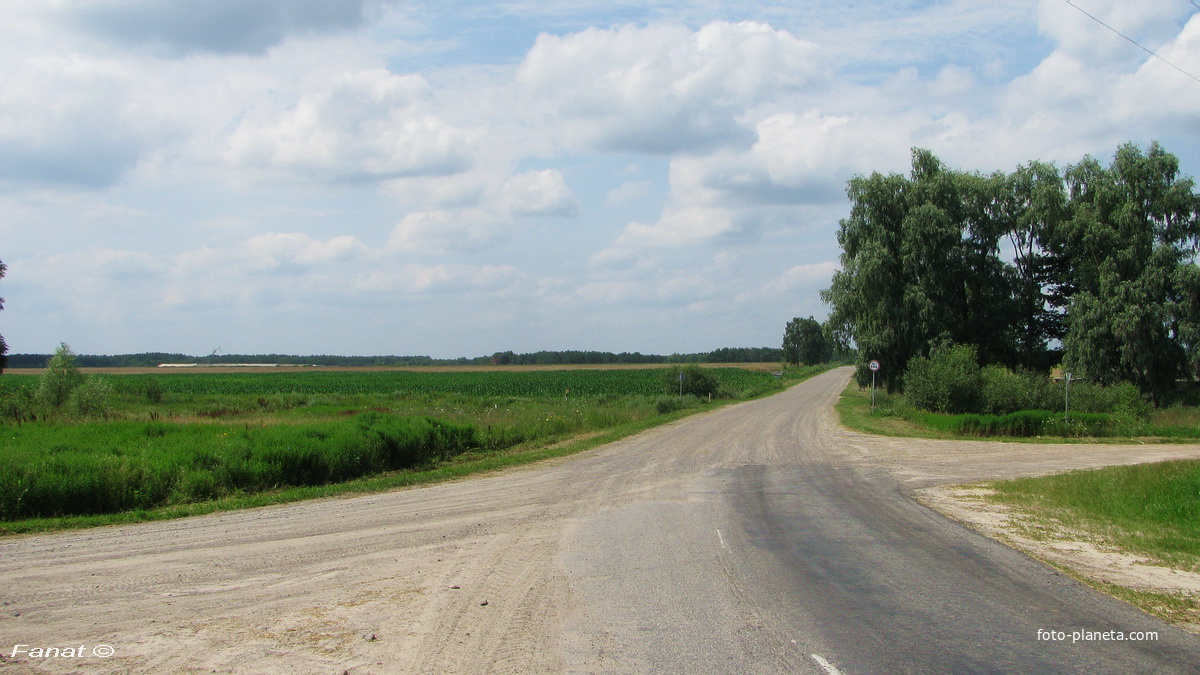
<point x="829" y="667"/>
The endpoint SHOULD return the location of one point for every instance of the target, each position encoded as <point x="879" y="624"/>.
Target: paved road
<point x="745" y="540"/>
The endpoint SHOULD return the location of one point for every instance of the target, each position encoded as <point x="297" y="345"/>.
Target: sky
<point x="453" y="178"/>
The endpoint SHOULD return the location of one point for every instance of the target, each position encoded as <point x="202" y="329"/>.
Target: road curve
<point x="756" y="538"/>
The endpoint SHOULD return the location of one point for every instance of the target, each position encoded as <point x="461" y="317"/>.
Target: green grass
<point x="217" y="441"/>
<point x="1150" y="509"/>
<point x="459" y="467"/>
<point x="893" y="416"/>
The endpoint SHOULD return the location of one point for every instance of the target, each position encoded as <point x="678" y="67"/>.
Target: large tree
<point x="1100" y="260"/>
<point x="919" y="263"/>
<point x="804" y="341"/>
<point x="1131" y="277"/>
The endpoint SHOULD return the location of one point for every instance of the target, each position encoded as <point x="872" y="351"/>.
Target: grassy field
<point x="177" y="440"/>
<point x="894" y="417"/>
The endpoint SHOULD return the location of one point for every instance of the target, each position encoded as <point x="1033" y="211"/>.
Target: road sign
<point x="873" y="365"/>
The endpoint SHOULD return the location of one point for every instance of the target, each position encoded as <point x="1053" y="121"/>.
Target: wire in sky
<point x="1135" y="42"/>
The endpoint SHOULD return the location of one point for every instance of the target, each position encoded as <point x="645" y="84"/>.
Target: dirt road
<point x="758" y="538"/>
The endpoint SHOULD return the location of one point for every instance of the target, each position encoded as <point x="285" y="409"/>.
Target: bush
<point x="1123" y="399"/>
<point x="154" y="390"/>
<point x="697" y="381"/>
<point x="92" y="398"/>
<point x="1005" y="391"/>
<point x="948" y="380"/>
<point x="18" y="405"/>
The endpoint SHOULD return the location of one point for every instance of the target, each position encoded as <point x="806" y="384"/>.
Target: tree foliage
<point x="919" y="263"/>
<point x="805" y="341"/>
<point x="1132" y="242"/>
<point x="1098" y="268"/>
<point x="60" y="378"/>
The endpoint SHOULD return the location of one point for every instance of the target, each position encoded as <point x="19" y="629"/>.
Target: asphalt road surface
<point x="759" y="538"/>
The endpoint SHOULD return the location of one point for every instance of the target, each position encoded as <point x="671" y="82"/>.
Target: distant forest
<point x="150" y="359"/>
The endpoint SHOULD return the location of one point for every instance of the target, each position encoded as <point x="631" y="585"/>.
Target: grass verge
<point x="1150" y="510"/>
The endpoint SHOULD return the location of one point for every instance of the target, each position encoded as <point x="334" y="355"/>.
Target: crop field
<point x="173" y="438"/>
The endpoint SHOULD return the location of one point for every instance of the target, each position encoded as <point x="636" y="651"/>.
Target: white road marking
<point x="722" y="539"/>
<point x="829" y="667"/>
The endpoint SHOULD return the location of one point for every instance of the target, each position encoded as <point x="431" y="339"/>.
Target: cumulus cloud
<point x="664" y="88"/>
<point x="539" y="193"/>
<point x="74" y="121"/>
<point x="364" y="125"/>
<point x="446" y="230"/>
<point x="676" y="227"/>
<point x="182" y="27"/>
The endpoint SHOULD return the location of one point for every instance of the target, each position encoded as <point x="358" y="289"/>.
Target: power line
<point x="1135" y="42"/>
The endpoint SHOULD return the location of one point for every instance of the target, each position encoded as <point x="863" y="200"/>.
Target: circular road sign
<point x="873" y="365"/>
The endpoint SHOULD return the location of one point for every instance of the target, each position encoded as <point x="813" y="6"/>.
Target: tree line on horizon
<point x="566" y="357"/>
<point x="1091" y="267"/>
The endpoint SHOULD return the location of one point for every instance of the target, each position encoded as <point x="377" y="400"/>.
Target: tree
<point x="3" y="344"/>
<point x="804" y="341"/>
<point x="920" y="263"/>
<point x="1033" y="204"/>
<point x="1103" y="263"/>
<point x="1133" y="289"/>
<point x="59" y="379"/>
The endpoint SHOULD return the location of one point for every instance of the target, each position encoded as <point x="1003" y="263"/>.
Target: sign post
<point x="874" y="366"/>
<point x="1067" y="400"/>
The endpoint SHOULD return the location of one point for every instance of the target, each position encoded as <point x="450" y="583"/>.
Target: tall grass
<point x="56" y="470"/>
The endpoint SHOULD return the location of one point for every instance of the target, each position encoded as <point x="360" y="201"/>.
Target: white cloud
<point x="539" y="193"/>
<point x="360" y="125"/>
<point x="800" y="277"/>
<point x="447" y="230"/>
<point x="664" y="88"/>
<point x="629" y="191"/>
<point x="677" y="227"/>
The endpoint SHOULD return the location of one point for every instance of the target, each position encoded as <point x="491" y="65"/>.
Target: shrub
<point x="1005" y="391"/>
<point x="18" y="405"/>
<point x="948" y="380"/>
<point x="92" y="398"/>
<point x="1122" y="398"/>
<point x="697" y="381"/>
<point x="154" y="390"/>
